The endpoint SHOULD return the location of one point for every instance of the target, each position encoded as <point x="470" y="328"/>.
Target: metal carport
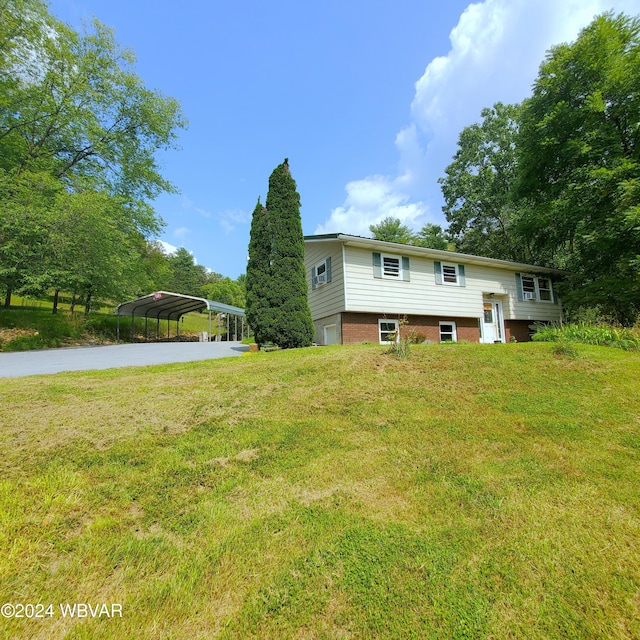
<point x="164" y="305"/>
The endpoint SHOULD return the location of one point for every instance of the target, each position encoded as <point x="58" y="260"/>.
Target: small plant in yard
<point x="415" y="337"/>
<point x="565" y="349"/>
<point x="400" y="344"/>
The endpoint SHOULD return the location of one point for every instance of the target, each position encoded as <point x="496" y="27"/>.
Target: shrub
<point x="565" y="349"/>
<point x="606" y="335"/>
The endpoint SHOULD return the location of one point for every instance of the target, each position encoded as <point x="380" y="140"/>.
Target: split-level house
<point x="362" y="290"/>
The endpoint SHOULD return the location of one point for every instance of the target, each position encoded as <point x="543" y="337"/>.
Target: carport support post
<point x="132" y="326"/>
<point x="158" y="330"/>
<point x="209" y="338"/>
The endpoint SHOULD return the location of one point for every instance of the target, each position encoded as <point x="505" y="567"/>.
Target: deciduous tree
<point x="391" y="230"/>
<point x="431" y="236"/>
<point x="74" y="115"/>
<point x="579" y="164"/>
<point x="478" y="188"/>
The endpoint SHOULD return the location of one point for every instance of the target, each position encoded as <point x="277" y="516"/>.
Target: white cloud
<point x="181" y="232"/>
<point x="169" y="249"/>
<point x="230" y="218"/>
<point x="369" y="201"/>
<point x="496" y="50"/>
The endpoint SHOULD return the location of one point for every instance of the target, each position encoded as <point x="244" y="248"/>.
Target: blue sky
<point x="365" y="98"/>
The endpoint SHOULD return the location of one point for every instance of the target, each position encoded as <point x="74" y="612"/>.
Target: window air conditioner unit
<point x="529" y="295"/>
<point x="321" y="278"/>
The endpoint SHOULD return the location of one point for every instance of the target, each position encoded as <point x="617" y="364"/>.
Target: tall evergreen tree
<point x="288" y="317"/>
<point x="258" y="278"/>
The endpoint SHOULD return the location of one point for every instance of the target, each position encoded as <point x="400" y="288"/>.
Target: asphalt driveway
<point x="28" y="363"/>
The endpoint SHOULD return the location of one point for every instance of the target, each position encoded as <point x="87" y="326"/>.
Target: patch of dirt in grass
<point x="309" y="496"/>
<point x="7" y="335"/>
<point x="246" y="455"/>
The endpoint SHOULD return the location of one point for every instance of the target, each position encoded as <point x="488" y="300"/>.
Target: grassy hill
<point x="470" y="491"/>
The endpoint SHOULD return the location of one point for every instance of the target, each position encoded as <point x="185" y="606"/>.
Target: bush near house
<point x="605" y="335"/>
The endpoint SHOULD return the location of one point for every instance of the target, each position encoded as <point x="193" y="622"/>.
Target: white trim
<point x="497" y="320"/>
<point x="550" y="290"/>
<point x="324" y="333"/>
<point x="318" y="282"/>
<point x="386" y="320"/>
<point x="535" y="294"/>
<point x="456" y="269"/>
<point x="392" y="257"/>
<point x="344" y="275"/>
<point x="454" y="332"/>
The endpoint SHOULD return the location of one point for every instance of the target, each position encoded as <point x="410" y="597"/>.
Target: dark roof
<point x="165" y="305"/>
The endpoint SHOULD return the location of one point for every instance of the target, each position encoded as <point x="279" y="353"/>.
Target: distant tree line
<point x="78" y="137"/>
<point x="392" y="229"/>
<point x="178" y="272"/>
<point x="555" y="180"/>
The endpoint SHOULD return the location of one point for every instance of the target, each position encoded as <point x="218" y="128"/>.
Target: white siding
<point x="422" y="296"/>
<point x="327" y="299"/>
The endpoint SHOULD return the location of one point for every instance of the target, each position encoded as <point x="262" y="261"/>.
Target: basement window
<point x="388" y="331"/>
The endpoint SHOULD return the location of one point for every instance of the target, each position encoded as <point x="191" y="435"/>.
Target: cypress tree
<point x="258" y="274"/>
<point x="288" y="317"/>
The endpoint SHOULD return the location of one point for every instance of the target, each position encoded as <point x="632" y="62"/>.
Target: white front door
<point x="492" y="321"/>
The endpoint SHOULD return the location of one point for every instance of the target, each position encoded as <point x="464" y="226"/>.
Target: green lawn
<point x="470" y="491"/>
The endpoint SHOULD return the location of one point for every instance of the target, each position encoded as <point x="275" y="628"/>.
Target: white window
<point x="544" y="290"/>
<point x="391" y="267"/>
<point x="449" y="273"/>
<point x="536" y="288"/>
<point x="321" y="273"/>
<point x="448" y="331"/>
<point x="388" y="330"/>
<point x="528" y="287"/>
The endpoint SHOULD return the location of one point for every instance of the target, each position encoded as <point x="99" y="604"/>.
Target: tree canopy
<point x="391" y="230"/>
<point x="477" y="189"/>
<point x="579" y="164"/>
<point x="78" y="136"/>
<point x="556" y="180"/>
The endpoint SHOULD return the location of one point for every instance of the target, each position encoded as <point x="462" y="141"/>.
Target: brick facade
<point x="363" y="327"/>
<point x="518" y="329"/>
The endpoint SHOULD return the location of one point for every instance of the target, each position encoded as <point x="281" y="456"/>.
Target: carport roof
<point x="165" y="305"/>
